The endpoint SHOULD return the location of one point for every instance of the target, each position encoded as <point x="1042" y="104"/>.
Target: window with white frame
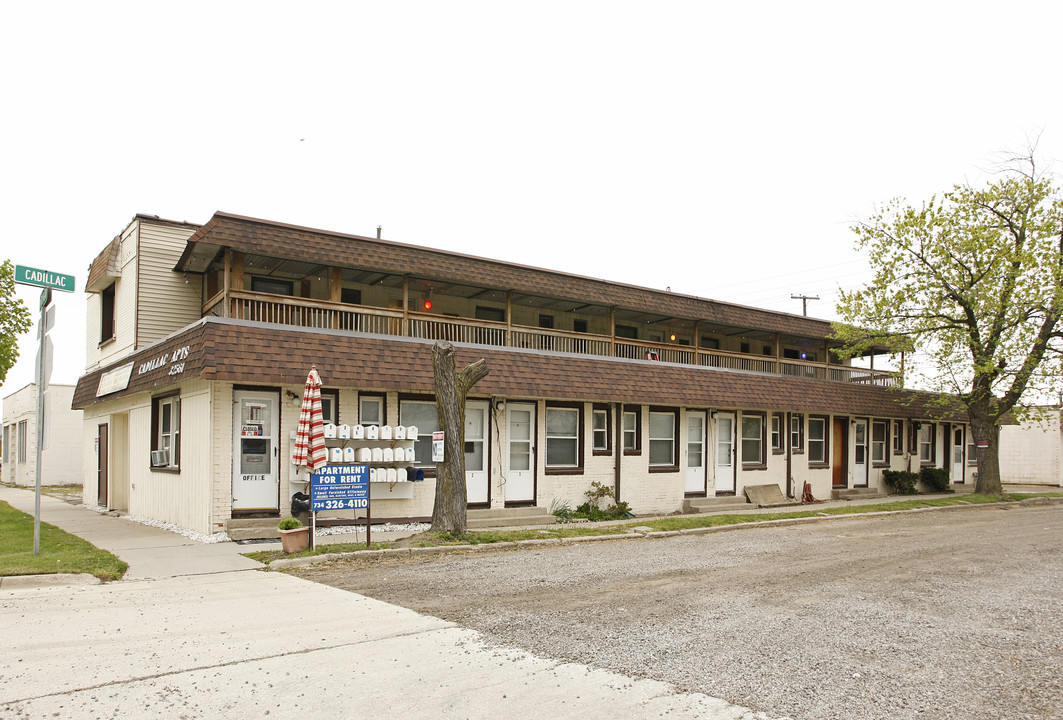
<point x="632" y="431"/>
<point x="879" y="441"/>
<point x="166" y="432"/>
<point x="777" y="433"/>
<point x="926" y="443"/>
<point x="421" y="413"/>
<point x="753" y="440"/>
<point x="371" y="411"/>
<point x="601" y="441"/>
<point x="817" y="440"/>
<point x="797" y="433"/>
<point x="662" y="438"/>
<point x="563" y="437"/>
<point x="330" y="404"/>
<point x="898" y="437"/>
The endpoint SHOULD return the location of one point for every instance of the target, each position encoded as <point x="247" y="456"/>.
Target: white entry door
<point x="725" y="452"/>
<point x="695" y="475"/>
<point x="520" y="453"/>
<point x="256" y="451"/>
<point x="477" y="485"/>
<point x="860" y="454"/>
<point x="959" y="447"/>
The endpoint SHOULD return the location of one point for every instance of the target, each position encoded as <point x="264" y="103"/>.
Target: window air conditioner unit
<point x="160" y="458"/>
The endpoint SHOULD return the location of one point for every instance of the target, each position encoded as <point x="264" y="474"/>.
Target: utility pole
<point x="804" y="301"/>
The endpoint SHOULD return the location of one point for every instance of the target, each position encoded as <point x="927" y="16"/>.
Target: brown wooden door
<point x="840" y="453"/>
<point x="101" y="467"/>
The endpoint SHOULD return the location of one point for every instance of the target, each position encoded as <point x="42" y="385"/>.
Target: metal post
<point x="42" y="383"/>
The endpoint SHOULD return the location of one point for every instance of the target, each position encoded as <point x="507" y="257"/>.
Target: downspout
<point x="789" y="458"/>
<point x="618" y="421"/>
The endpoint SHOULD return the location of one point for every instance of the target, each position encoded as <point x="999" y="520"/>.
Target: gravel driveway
<point x="949" y="614"/>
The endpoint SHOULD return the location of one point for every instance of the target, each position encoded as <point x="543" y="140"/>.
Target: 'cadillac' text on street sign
<point x="43" y="278"/>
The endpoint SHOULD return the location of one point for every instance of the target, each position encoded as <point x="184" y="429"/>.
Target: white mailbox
<point x="348" y="455"/>
<point x="393" y="475"/>
<point x="372" y="475"/>
<point x="330" y="431"/>
<point x="365" y="455"/>
<point x="411" y="432"/>
<point x="385" y="432"/>
<point x="336" y="454"/>
<point x="372" y="432"/>
<point x="378" y="454"/>
<point x="399" y="432"/>
<point x="410" y="455"/>
<point x="357" y="432"/>
<point x="343" y="432"/>
<point x="401" y="474"/>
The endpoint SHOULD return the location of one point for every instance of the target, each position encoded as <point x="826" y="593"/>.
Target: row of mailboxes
<point x="371" y="455"/>
<point x="370" y="432"/>
<point x="391" y="475"/>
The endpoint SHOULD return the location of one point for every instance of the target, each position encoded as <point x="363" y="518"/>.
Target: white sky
<point x="720" y="149"/>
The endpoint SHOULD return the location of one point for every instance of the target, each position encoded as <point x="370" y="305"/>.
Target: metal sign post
<point x="47" y="280"/>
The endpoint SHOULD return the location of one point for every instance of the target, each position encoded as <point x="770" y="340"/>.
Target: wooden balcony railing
<point x="305" y="312"/>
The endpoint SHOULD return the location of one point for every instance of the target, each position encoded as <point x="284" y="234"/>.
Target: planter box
<point x="293" y="541"/>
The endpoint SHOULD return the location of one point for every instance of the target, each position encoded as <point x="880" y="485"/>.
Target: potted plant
<point x="294" y="535"/>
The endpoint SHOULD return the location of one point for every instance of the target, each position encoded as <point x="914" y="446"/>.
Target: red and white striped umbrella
<point x="310" y="436"/>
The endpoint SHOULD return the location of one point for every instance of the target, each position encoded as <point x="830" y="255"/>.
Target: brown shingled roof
<point x="271" y="239"/>
<point x="241" y="352"/>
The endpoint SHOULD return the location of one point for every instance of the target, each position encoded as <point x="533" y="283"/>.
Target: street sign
<point x="43" y="278"/>
<point x="46" y="297"/>
<point x="340" y="487"/>
<point x="47" y="323"/>
<point x="49" y="350"/>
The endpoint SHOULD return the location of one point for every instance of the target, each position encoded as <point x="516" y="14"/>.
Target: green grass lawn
<point x="61" y="552"/>
<point x="682" y="522"/>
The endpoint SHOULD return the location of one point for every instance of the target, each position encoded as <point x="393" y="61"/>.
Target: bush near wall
<point x="901" y="482"/>
<point x="936" y="479"/>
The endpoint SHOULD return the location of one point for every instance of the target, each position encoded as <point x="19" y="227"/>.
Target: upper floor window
<point x="107" y="314"/>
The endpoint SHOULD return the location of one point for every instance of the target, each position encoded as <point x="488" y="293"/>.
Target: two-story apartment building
<point x="200" y="339"/>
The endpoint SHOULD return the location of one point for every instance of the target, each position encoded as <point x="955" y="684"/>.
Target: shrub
<point x="936" y="479"/>
<point x="561" y="510"/>
<point x="289" y="523"/>
<point x="901" y="482"/>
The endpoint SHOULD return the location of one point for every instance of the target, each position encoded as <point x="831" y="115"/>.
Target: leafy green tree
<point x="974" y="280"/>
<point x="14" y="319"/>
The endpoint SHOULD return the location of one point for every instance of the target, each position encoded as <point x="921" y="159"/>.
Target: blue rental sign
<point x="340" y="487"/>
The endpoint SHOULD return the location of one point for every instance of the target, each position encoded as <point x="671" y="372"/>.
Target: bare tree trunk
<point x="448" y="513"/>
<point x="984" y="430"/>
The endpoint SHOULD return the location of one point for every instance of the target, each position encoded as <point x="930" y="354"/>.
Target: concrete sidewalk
<point x="198" y="632"/>
<point x="152" y="553"/>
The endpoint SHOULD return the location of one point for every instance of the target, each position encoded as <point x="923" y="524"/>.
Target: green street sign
<point x="43" y="278"/>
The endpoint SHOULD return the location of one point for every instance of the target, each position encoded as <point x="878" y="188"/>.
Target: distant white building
<point x="1032" y="453"/>
<point x="61" y="460"/>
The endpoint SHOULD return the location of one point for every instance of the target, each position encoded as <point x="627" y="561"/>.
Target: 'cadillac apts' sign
<point x="175" y="359"/>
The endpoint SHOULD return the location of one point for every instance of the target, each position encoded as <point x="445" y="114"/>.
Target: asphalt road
<point x="943" y="614"/>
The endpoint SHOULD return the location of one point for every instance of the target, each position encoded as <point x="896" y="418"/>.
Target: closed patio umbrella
<point x="310" y="448"/>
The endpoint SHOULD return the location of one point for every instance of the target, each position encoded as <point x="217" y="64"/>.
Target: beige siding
<point x="167" y="302"/>
<point x="124" y="309"/>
